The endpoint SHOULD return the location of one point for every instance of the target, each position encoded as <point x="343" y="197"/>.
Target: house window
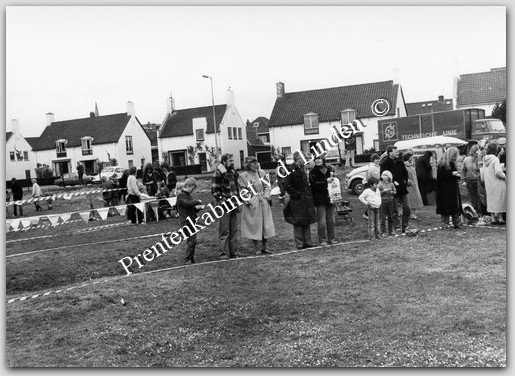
<point x="128" y="144"/>
<point x="229" y="129"/>
<point x="60" y="148"/>
<point x="131" y="163"/>
<point x="348" y="116"/>
<point x="286" y="151"/>
<point x="234" y="133"/>
<point x="265" y="138"/>
<point x="86" y="145"/>
<point x="199" y="134"/>
<point x="26" y="155"/>
<point x="311" y="124"/>
<point x="239" y="134"/>
<point x="12" y="156"/>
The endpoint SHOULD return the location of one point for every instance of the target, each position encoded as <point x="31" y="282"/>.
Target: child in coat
<point x="371" y="197"/>
<point x="188" y="207"/>
<point x="388" y="190"/>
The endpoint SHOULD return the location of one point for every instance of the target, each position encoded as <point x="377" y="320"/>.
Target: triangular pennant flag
<point x="15" y="224"/>
<point x="25" y="223"/>
<point x="140" y="206"/>
<point x="85" y="216"/>
<point x="172" y="200"/>
<point x="103" y="212"/>
<point x="54" y="219"/>
<point x="34" y="221"/>
<point x="275" y="191"/>
<point x="121" y="209"/>
<point x="7" y="225"/>
<point x="65" y="217"/>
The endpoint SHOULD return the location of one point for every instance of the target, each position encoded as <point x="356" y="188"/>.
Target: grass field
<point x="436" y="300"/>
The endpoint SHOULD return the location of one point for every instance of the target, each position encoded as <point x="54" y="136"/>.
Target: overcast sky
<point x="64" y="59"/>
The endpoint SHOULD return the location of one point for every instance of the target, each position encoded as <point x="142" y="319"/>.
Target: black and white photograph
<point x="255" y="186"/>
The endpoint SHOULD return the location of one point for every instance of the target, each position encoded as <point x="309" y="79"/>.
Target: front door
<point x="242" y="159"/>
<point x="203" y="161"/>
<point x="61" y="168"/>
<point x="89" y="167"/>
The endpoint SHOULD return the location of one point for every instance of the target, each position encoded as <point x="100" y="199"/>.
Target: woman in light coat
<point x="414" y="196"/>
<point x="256" y="214"/>
<point x="495" y="184"/>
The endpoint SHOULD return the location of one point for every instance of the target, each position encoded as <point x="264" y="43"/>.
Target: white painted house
<point x="187" y="136"/>
<point x="301" y="119"/>
<point x="90" y="140"/>
<point x="20" y="162"/>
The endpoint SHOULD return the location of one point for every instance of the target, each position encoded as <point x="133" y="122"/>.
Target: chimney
<point x="170" y="104"/>
<point x="280" y="89"/>
<point x="248" y="122"/>
<point x="440" y="98"/>
<point x="130" y="109"/>
<point x="396" y="76"/>
<point x="230" y="97"/>
<point x="15" y="126"/>
<point x="49" y="118"/>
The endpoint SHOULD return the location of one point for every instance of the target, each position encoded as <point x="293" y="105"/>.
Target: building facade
<point x="20" y="161"/>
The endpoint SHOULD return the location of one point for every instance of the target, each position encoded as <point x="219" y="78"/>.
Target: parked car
<point x="354" y="180"/>
<point x="332" y="157"/>
<point x="72" y="179"/>
<point x="108" y="172"/>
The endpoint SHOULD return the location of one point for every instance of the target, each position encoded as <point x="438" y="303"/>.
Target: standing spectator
<point x="350" y="150"/>
<point x="373" y="171"/>
<point x="106" y="193"/>
<point x="7" y="199"/>
<point x="257" y="222"/>
<point x="17" y="191"/>
<point x="318" y="179"/>
<point x="169" y="179"/>
<point x="424" y="171"/>
<point x="123" y="185"/>
<point x="113" y="184"/>
<point x="300" y="210"/>
<point x="36" y="193"/>
<point x="280" y="180"/>
<point x="188" y="207"/>
<point x="400" y="180"/>
<point x="448" y="198"/>
<point x="371" y="197"/>
<point x="387" y="189"/>
<point x="495" y="184"/>
<point x="224" y="185"/>
<point x="470" y="173"/>
<point x="133" y="196"/>
<point x="481" y="190"/>
<point x="414" y="197"/>
<point x="80" y="172"/>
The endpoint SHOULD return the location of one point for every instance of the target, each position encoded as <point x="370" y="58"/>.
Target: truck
<point x="469" y="125"/>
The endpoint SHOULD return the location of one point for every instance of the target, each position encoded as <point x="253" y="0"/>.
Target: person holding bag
<point x="257" y="222"/>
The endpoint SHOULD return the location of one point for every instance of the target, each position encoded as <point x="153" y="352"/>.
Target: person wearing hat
<point x="257" y="222"/>
<point x="188" y="207"/>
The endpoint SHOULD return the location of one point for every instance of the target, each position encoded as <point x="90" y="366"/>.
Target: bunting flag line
<point x="121" y="209"/>
<point x="140" y="206"/>
<point x="54" y="219"/>
<point x="103" y="212"/>
<point x="65" y="217"/>
<point x="85" y="216"/>
<point x="172" y="201"/>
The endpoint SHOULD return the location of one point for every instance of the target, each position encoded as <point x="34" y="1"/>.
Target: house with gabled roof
<point x="258" y="139"/>
<point x="481" y="90"/>
<point x="302" y="119"/>
<point x="427" y="107"/>
<point x="187" y="136"/>
<point x="20" y="162"/>
<point x="93" y="139"/>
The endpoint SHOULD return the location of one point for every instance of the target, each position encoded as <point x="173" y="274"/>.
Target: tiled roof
<point x="152" y="134"/>
<point x="252" y="131"/>
<point x="482" y="88"/>
<point x="180" y="122"/>
<point x="8" y="136"/>
<point x="426" y="107"/>
<point x="328" y="103"/>
<point x="32" y="141"/>
<point x="103" y="129"/>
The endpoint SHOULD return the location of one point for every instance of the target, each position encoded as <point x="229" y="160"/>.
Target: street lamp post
<point x="214" y="117"/>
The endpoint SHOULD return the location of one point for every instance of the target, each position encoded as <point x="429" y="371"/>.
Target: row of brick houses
<point x="190" y="136"/>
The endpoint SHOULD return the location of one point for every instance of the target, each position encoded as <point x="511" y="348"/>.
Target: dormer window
<point x="86" y="147"/>
<point x="311" y="123"/>
<point x="199" y="135"/>
<point x="60" y="147"/>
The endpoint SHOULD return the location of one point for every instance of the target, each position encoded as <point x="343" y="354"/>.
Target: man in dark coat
<point x="80" y="172"/>
<point x="400" y="180"/>
<point x="300" y="208"/>
<point x="424" y="175"/>
<point x="17" y="191"/>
